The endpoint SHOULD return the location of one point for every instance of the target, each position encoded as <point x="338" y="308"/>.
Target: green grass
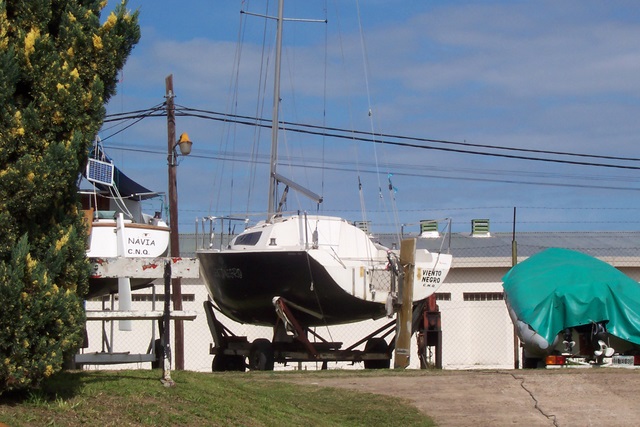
<point x="137" y="398"/>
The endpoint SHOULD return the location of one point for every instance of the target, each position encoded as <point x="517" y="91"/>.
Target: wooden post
<point x="166" y="330"/>
<point x="403" y="340"/>
<point x="173" y="220"/>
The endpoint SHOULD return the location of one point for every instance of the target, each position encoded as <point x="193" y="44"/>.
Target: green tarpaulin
<point x="559" y="288"/>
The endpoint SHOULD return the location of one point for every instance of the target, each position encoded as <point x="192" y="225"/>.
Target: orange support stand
<point x="430" y="333"/>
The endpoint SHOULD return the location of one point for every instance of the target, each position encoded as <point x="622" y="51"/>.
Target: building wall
<point x="475" y="333"/>
<point x="476" y="328"/>
<point x="197" y="337"/>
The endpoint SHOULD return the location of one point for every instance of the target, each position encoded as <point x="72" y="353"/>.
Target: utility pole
<point x="173" y="221"/>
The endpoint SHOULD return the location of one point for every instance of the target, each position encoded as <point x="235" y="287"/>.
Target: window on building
<point x="146" y="297"/>
<point x="160" y="298"/>
<point x="483" y="296"/>
<point x="443" y="296"/>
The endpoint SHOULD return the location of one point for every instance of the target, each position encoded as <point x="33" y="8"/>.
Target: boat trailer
<point x="292" y="343"/>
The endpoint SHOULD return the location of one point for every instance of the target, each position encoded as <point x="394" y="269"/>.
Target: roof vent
<point x="480" y="228"/>
<point x="429" y="229"/>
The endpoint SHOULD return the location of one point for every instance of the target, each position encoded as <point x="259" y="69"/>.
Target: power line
<point x="346" y="168"/>
<point x="137" y="116"/>
<point x="362" y="136"/>
<point x="241" y="119"/>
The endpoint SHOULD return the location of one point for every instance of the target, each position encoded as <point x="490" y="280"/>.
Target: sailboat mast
<point x="271" y="209"/>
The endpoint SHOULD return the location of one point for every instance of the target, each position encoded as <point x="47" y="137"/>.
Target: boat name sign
<point x="228" y="273"/>
<point x="139" y="246"/>
<point x="429" y="277"/>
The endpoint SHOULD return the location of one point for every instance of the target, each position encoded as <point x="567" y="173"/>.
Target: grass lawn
<point x="137" y="398"/>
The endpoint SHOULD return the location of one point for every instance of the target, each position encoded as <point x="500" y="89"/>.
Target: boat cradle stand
<point x="230" y="351"/>
<point x="158" y="352"/>
<point x="427" y="324"/>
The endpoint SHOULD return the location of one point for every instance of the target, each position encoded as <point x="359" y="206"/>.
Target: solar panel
<point x="100" y="172"/>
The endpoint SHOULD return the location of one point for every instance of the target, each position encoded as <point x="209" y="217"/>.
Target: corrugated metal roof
<point x="601" y="244"/>
<point x="605" y="244"/>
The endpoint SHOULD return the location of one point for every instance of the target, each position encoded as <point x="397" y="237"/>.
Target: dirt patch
<point x="564" y="397"/>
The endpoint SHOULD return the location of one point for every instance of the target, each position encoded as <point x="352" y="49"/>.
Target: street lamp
<point x="184" y="143"/>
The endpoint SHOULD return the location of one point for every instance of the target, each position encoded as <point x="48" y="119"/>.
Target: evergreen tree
<point x="58" y="67"/>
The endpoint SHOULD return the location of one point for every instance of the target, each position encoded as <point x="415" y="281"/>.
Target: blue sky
<point x="535" y="75"/>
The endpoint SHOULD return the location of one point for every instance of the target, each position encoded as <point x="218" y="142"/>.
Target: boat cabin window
<point x="249" y="239"/>
<point x="106" y="214"/>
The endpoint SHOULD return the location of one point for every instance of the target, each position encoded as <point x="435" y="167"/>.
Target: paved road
<point x="562" y="397"/>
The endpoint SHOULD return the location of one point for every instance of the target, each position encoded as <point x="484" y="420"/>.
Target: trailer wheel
<point x="225" y="362"/>
<point x="158" y="350"/>
<point x="261" y="357"/>
<point x="530" y="362"/>
<point x="377" y="345"/>
<point x="236" y="363"/>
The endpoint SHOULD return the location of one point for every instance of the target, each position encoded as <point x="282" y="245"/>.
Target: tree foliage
<point x="58" y="67"/>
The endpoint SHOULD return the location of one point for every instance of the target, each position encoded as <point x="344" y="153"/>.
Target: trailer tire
<point x="377" y="345"/>
<point x="158" y="350"/>
<point x="236" y="363"/>
<point x="218" y="364"/>
<point x="530" y="362"/>
<point x="261" y="357"/>
<point x="226" y="362"/>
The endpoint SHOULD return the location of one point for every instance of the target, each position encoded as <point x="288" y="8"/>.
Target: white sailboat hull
<point x="119" y="238"/>
<point x="328" y="268"/>
<point x="141" y="240"/>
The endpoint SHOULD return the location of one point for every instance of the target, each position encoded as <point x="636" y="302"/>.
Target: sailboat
<point x="117" y="225"/>
<point x="327" y="270"/>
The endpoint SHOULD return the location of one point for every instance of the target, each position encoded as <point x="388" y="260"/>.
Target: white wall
<point x="475" y="333"/>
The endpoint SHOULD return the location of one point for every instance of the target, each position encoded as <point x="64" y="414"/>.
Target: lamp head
<point x="185" y="144"/>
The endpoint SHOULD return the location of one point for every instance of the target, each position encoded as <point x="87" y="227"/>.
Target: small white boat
<point x="111" y="235"/>
<point x="117" y="225"/>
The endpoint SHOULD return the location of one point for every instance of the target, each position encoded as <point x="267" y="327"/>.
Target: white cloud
<point x="545" y="75"/>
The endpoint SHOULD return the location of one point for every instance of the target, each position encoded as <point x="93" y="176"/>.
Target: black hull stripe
<point x="243" y="285"/>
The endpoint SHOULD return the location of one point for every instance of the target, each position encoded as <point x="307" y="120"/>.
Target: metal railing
<point x="208" y="238"/>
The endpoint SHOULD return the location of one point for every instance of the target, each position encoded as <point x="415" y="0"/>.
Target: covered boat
<point x="567" y="302"/>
